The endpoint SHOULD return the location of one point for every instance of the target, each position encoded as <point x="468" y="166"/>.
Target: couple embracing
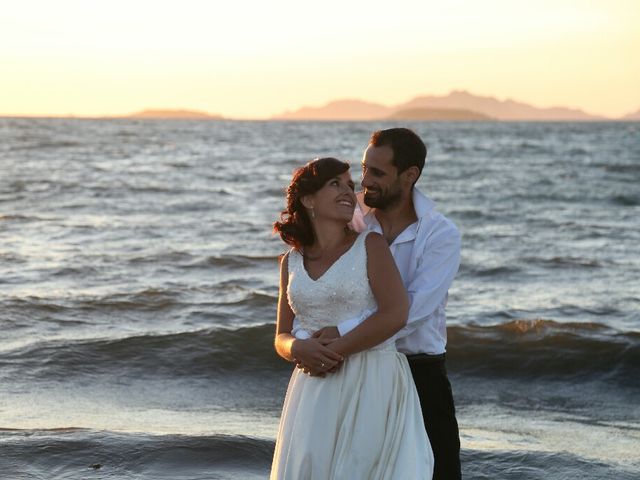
<point x="361" y="312"/>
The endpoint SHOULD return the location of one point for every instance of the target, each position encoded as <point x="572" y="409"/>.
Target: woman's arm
<point x="388" y="290"/>
<point x="284" y="339"/>
<point x="311" y="352"/>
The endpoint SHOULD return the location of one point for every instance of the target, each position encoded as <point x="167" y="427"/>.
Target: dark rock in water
<point x="95" y="466"/>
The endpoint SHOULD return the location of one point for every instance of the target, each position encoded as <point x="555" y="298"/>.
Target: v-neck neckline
<point x="330" y="266"/>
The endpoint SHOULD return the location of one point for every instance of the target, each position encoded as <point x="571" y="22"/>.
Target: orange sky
<point x="254" y="59"/>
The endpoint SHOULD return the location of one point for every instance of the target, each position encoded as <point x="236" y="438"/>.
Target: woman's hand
<point x="314" y="357"/>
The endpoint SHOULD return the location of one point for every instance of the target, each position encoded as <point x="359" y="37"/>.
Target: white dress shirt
<point x="427" y="254"/>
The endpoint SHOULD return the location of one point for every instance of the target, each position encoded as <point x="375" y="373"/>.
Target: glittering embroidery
<point x="341" y="293"/>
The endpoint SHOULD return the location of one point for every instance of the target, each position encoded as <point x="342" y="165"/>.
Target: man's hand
<point x="314" y="357"/>
<point x="327" y="333"/>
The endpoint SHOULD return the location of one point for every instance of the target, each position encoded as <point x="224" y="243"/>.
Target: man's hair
<point x="408" y="149"/>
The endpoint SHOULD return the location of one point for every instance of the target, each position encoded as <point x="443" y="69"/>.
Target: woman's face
<point x="336" y="199"/>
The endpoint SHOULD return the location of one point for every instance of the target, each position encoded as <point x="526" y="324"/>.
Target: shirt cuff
<point x="348" y="325"/>
<point x="301" y="334"/>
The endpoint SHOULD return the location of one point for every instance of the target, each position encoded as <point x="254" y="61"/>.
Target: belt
<point x="423" y="358"/>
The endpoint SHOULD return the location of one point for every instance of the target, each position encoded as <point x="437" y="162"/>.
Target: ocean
<point x="139" y="279"/>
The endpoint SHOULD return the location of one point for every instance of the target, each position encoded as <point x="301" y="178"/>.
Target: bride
<point x="357" y="414"/>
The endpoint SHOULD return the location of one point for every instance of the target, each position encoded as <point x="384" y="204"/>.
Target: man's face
<point x="380" y="180"/>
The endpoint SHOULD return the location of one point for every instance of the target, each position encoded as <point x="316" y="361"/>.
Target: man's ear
<point x="411" y="175"/>
<point x="307" y="201"/>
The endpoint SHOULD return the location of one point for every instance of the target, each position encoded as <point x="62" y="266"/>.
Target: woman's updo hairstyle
<point x="294" y="226"/>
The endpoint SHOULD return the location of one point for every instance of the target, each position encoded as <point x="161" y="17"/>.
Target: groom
<point x="426" y="249"/>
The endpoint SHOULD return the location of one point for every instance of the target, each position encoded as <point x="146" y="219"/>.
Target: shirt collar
<point x="421" y="203"/>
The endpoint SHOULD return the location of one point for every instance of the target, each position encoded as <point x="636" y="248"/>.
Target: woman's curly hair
<point x="294" y="226"/>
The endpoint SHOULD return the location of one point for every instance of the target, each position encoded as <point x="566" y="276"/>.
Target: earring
<point x="313" y="214"/>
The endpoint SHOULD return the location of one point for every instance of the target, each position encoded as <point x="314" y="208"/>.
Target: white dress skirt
<point x="364" y="421"/>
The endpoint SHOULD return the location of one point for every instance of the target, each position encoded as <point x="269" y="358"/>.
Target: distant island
<point x="457" y="105"/>
<point x="174" y="114"/>
<point x="339" y="110"/>
<point x="438" y="114"/>
<point x="632" y="116"/>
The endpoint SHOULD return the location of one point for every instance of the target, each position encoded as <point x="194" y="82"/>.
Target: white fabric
<point x="364" y="421"/>
<point x="339" y="294"/>
<point x="427" y="254"/>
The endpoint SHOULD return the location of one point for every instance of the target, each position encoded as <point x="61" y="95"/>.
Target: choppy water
<point x="138" y="282"/>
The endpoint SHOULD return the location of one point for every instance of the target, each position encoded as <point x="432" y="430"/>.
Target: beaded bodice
<point x="341" y="293"/>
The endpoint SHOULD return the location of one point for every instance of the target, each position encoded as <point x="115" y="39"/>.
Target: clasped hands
<point x="314" y="355"/>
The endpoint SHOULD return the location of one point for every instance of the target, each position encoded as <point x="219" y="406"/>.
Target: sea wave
<point x="537" y="465"/>
<point x="475" y="270"/>
<point x="199" y="353"/>
<point x="629" y="200"/>
<point x="78" y="453"/>
<point x="45" y="145"/>
<point x="529" y="348"/>
<point x="73" y="454"/>
<point x="239" y="262"/>
<point x="19" y="218"/>
<point x="229" y="299"/>
<point x="562" y="262"/>
<point x="521" y="349"/>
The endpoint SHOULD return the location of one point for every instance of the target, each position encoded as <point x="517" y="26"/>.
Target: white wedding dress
<point x="363" y="422"/>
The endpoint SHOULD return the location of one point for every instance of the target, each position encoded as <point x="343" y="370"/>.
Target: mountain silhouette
<point x="632" y="116"/>
<point x="339" y="110"/>
<point x="458" y="100"/>
<point x="499" y="109"/>
<point x="437" y="114"/>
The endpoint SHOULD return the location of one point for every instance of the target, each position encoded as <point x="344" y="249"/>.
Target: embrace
<point x="361" y="313"/>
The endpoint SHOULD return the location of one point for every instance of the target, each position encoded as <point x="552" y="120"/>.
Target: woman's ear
<point x="307" y="201"/>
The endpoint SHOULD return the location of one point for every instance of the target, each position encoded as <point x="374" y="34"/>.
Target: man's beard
<point x="382" y="200"/>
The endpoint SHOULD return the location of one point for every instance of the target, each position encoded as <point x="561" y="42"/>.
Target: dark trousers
<point x="436" y="400"/>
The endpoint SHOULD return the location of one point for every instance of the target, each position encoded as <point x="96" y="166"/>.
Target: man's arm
<point x="392" y="300"/>
<point x="437" y="267"/>
<point x="345" y="327"/>
<point x="434" y="275"/>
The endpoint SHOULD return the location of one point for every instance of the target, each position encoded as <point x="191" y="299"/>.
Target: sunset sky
<point x="254" y="59"/>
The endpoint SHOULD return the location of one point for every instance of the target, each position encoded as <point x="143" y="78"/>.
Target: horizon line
<point x="319" y="120"/>
<point x="221" y="116"/>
